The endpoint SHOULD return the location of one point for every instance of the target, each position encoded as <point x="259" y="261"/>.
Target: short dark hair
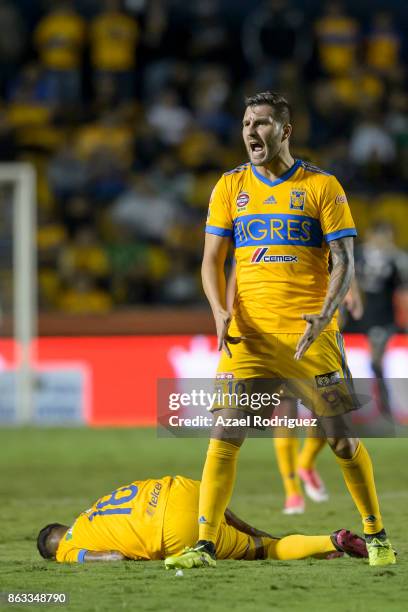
<point x="281" y="107"/>
<point x="42" y="539"/>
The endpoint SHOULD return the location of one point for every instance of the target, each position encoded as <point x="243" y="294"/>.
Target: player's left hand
<point x="354" y="304"/>
<point x="315" y="324"/>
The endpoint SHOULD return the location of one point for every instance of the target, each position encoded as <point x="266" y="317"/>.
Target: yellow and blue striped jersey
<point x="280" y="230"/>
<point x="130" y="520"/>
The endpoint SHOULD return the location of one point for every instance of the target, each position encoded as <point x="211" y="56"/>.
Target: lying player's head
<point x="266" y="126"/>
<point x="49" y="538"/>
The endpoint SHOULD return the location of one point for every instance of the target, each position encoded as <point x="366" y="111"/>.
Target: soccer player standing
<point x="285" y="217"/>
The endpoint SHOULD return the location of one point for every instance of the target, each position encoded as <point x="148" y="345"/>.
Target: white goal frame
<point x="22" y="177"/>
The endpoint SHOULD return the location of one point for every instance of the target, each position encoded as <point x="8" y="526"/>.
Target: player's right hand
<point x="222" y="321"/>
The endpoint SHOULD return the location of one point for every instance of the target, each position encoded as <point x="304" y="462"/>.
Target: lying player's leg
<point x="234" y="544"/>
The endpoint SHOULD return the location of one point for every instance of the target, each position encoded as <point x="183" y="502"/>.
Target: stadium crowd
<point x="131" y="110"/>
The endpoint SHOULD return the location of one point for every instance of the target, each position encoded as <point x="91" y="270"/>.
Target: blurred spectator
<point x="31" y="109"/>
<point x="372" y="148"/>
<point x="359" y="88"/>
<point x="77" y="212"/>
<point x="210" y="92"/>
<point x="275" y="33"/>
<point x="396" y="123"/>
<point x="12" y="41"/>
<point x="110" y="133"/>
<point x="337" y="39"/>
<point x="105" y="148"/>
<point x="169" y="118"/>
<point x="51" y="239"/>
<point x="114" y="36"/>
<point x="180" y="285"/>
<point x="170" y="177"/>
<point x="156" y="24"/>
<point x="329" y="118"/>
<point x="146" y="211"/>
<point x="209" y="40"/>
<point x="200" y="148"/>
<point x="66" y="171"/>
<point x="84" y="254"/>
<point x="59" y="38"/>
<point x="83" y="296"/>
<point x="31" y="85"/>
<point x="138" y="267"/>
<point x="8" y="145"/>
<point x="383" y="43"/>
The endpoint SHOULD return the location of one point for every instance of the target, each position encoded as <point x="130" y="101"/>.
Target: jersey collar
<point x="279" y="180"/>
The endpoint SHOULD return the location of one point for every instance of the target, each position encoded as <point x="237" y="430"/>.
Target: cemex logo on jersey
<point x="261" y="255"/>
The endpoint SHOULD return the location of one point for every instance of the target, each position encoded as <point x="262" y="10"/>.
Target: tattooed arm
<point x="340" y="278"/>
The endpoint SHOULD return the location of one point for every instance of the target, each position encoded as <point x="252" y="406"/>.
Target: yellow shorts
<point x="180" y="525"/>
<point x="321" y="379"/>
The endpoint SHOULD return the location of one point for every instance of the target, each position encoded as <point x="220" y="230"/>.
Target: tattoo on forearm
<point x="342" y="271"/>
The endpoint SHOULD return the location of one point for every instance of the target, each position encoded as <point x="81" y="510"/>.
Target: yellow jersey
<point x="280" y="230"/>
<point x="114" y="37"/>
<point x="130" y="520"/>
<point x="337" y="38"/>
<point x="60" y="39"/>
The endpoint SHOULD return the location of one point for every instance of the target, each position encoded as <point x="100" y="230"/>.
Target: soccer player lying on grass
<point x="157" y="519"/>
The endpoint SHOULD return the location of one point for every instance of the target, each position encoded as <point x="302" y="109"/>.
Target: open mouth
<point x="256" y="147"/>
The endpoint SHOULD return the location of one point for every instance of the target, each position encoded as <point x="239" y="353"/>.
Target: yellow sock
<point x="216" y="487"/>
<point x="286" y="454"/>
<point x="297" y="547"/>
<point x="311" y="448"/>
<point x="359" y="476"/>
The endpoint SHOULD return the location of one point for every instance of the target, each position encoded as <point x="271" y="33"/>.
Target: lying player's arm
<point x="214" y="284"/>
<point x="342" y="272"/>
<point x="107" y="555"/>
<point x="233" y="520"/>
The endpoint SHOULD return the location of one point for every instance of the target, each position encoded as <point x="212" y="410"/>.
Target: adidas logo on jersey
<point x="270" y="200"/>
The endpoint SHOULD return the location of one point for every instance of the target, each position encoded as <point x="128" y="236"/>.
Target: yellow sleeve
<point x="219" y="219"/>
<point x="71" y="555"/>
<point x="335" y="215"/>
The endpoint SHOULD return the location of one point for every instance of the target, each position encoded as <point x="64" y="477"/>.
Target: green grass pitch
<point x="51" y="475"/>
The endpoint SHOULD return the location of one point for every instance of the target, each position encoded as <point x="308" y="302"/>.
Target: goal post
<point x="21" y="176"/>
